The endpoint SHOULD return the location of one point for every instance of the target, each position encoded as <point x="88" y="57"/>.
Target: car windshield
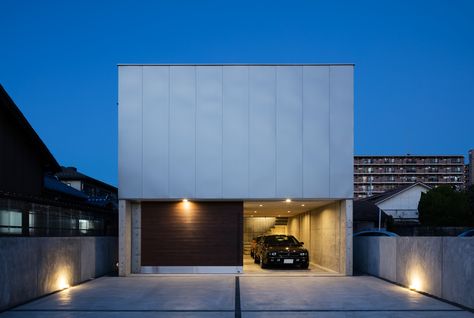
<point x="281" y="240"/>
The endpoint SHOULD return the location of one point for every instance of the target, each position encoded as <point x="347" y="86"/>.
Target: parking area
<point x="236" y="296"/>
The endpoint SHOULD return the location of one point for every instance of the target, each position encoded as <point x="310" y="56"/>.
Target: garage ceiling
<point x="280" y="208"/>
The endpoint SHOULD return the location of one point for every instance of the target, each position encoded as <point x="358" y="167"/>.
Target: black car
<point x="281" y="250"/>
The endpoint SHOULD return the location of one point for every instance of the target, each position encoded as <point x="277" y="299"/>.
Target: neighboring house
<point x="374" y="175"/>
<point x="97" y="192"/>
<point x="203" y="146"/>
<point x="401" y="203"/>
<point x="32" y="201"/>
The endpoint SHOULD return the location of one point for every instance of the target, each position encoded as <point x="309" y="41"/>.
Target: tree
<point x="444" y="206"/>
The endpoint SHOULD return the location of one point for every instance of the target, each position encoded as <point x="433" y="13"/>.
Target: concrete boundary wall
<point x="440" y="266"/>
<point x="31" y="267"/>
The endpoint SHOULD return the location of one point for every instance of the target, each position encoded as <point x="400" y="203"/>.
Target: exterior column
<point x="136" y="238"/>
<point x="125" y="229"/>
<point x="346" y="237"/>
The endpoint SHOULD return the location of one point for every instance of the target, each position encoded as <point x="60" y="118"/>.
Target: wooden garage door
<point x="192" y="233"/>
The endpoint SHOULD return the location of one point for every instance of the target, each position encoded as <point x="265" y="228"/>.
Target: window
<point x="10" y="222"/>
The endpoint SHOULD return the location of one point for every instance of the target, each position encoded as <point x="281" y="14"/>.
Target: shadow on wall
<point x="31" y="267"/>
<point x="321" y="231"/>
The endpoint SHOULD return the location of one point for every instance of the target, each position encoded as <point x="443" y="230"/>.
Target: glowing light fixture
<point x="288" y="200"/>
<point x="289" y="211"/>
<point x="254" y="211"/>
<point x="302" y="205"/>
<point x="415" y="284"/>
<point x="185" y="200"/>
<point x="260" y="205"/>
<point x="63" y="283"/>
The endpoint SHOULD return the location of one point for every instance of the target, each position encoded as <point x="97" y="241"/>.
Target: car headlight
<point x="272" y="253"/>
<point x="303" y="254"/>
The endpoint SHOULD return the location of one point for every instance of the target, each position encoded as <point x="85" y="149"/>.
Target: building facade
<point x="377" y="174"/>
<point x="470" y="168"/>
<point x="203" y="146"/>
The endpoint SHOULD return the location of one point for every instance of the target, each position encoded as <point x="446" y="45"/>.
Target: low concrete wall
<point x="440" y="266"/>
<point x="31" y="267"/>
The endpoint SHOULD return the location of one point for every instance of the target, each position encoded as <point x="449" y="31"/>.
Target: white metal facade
<point x="235" y="131"/>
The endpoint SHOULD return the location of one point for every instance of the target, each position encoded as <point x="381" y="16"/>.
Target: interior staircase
<point x="280" y="227"/>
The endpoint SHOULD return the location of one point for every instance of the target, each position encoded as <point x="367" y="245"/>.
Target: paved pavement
<point x="231" y="296"/>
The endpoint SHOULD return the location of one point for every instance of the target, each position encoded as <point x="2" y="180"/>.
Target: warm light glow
<point x="289" y="211"/>
<point x="288" y="200"/>
<point x="62" y="282"/>
<point x="260" y="204"/>
<point x="185" y="200"/>
<point x="415" y="284"/>
<point x="254" y="211"/>
<point x="302" y="205"/>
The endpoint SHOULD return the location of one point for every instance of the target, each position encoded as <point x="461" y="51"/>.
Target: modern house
<point x="377" y="174"/>
<point x="204" y="147"/>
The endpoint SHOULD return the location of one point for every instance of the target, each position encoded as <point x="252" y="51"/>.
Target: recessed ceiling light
<point x="288" y="200"/>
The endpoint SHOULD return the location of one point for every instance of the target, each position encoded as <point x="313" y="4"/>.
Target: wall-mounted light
<point x="288" y="200"/>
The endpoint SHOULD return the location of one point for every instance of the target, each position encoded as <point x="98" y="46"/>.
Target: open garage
<point x="318" y="225"/>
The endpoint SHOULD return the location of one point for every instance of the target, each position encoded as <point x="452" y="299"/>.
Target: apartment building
<point x="470" y="169"/>
<point x="377" y="174"/>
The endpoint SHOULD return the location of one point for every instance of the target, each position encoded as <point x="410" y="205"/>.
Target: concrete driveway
<point x="231" y="296"/>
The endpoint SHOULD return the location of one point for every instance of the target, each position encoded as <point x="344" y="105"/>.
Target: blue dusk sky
<point x="414" y="74"/>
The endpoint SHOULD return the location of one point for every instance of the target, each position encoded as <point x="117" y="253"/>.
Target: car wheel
<point x="262" y="264"/>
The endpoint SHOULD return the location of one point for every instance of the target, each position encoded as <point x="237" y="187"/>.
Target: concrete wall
<point x="325" y="232"/>
<point x="235" y="131"/>
<point x="31" y="267"/>
<point x="254" y="226"/>
<point x="441" y="266"/>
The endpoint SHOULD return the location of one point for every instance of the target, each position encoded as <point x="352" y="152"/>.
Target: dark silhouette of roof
<point x="367" y="211"/>
<point x="53" y="184"/>
<point x="9" y="106"/>
<point x="387" y="194"/>
<point x="71" y="173"/>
